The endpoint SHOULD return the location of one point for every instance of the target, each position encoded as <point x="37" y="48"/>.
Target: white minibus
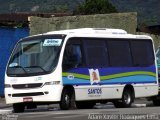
<point x="79" y="68"/>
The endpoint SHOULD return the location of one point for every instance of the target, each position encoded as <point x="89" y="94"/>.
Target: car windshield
<point x="35" y="55"/>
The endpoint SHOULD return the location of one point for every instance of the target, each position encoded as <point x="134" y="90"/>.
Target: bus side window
<point x="72" y="57"/>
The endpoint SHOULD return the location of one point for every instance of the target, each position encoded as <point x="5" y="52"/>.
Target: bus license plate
<point x="28" y="99"/>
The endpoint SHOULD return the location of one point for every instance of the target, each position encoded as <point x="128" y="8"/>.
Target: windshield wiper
<point x="37" y="67"/>
<point x="20" y="67"/>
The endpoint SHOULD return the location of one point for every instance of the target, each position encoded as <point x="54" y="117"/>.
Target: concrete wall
<point x="126" y="21"/>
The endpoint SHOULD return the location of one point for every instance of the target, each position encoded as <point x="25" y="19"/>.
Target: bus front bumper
<point x="50" y="93"/>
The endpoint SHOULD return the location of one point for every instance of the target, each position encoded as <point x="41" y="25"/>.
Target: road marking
<point x="5" y="111"/>
<point x="36" y="116"/>
<point x="112" y="106"/>
<point x="139" y="105"/>
<point x="70" y="116"/>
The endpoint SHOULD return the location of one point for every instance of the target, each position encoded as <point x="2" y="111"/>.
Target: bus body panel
<point x="51" y="96"/>
<point x="110" y="92"/>
<point x="145" y="90"/>
<point x="48" y="93"/>
<point x="112" y="82"/>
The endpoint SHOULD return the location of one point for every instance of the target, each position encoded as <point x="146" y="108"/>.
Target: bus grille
<point x="25" y="86"/>
<point x="27" y="94"/>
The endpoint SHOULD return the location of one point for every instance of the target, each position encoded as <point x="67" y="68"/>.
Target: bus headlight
<point x="7" y="85"/>
<point x="52" y="83"/>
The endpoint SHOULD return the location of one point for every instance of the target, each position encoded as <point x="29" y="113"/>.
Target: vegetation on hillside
<point x="148" y="10"/>
<point x="9" y="6"/>
<point x="95" y="7"/>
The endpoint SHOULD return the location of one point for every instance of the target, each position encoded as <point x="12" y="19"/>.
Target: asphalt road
<point x="141" y="110"/>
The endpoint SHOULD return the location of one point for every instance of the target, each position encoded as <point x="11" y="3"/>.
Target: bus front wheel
<point x="18" y="107"/>
<point x="67" y="100"/>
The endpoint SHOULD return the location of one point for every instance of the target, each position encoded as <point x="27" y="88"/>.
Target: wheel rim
<point x="67" y="100"/>
<point x="127" y="98"/>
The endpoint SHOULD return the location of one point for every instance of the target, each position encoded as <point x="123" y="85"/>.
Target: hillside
<point x="148" y="10"/>
<point x="38" y="5"/>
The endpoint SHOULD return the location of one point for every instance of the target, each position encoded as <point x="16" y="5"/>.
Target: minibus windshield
<point x="35" y="56"/>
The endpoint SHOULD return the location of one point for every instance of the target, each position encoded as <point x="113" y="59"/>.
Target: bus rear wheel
<point x="67" y="100"/>
<point x="126" y="101"/>
<point x="18" y="107"/>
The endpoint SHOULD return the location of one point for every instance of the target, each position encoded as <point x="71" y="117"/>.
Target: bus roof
<point x="90" y="31"/>
<point x="99" y="32"/>
<point x="96" y="32"/>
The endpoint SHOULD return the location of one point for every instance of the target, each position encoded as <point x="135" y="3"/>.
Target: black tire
<point x="156" y="102"/>
<point x="18" y="107"/>
<point x="85" y="105"/>
<point x="67" y="100"/>
<point x="126" y="101"/>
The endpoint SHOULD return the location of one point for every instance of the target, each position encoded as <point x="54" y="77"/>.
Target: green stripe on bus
<point x="76" y="75"/>
<point x="126" y="74"/>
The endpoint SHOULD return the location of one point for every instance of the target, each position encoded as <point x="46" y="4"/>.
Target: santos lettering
<point x="95" y="91"/>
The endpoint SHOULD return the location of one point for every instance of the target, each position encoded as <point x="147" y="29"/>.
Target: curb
<point x="3" y="104"/>
<point x="139" y="105"/>
<point x="7" y="106"/>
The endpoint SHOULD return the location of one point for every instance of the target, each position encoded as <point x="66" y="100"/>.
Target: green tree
<point x="95" y="7"/>
<point x="61" y="8"/>
<point x="152" y="20"/>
